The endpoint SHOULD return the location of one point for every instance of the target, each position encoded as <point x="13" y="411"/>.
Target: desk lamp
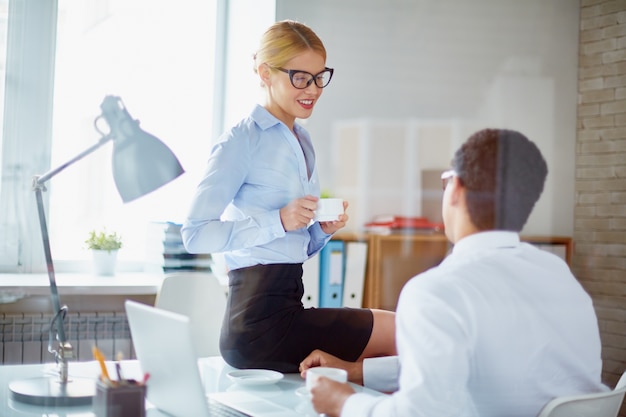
<point x="141" y="164"/>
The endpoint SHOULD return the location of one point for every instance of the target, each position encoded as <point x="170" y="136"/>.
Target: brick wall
<point x="600" y="216"/>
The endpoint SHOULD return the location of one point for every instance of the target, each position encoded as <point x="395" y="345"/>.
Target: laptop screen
<point x="164" y="348"/>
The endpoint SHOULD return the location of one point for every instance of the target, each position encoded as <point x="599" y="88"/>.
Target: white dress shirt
<point x="496" y="330"/>
<point x="382" y="373"/>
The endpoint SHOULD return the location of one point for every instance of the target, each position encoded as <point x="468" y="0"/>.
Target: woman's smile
<point x="307" y="104"/>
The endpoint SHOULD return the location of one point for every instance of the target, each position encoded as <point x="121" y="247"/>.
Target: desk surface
<point x="213" y="371"/>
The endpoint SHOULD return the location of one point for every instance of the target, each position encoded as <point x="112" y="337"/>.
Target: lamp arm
<point x="40" y="180"/>
<point x="56" y="304"/>
<point x="64" y="352"/>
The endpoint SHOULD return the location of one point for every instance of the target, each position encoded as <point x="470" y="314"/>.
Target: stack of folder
<point x="335" y="276"/>
<point x="166" y="251"/>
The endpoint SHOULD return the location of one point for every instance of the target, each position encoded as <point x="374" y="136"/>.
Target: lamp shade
<point x="141" y="162"/>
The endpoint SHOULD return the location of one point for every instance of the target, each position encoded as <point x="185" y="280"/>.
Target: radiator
<point x="25" y="336"/>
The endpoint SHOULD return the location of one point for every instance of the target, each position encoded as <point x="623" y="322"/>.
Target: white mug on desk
<point x="337" y="374"/>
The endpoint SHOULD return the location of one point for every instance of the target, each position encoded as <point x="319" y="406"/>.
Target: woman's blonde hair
<point x="283" y="41"/>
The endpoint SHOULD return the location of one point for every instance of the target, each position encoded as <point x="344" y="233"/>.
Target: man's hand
<point x="298" y="213"/>
<point x="321" y="358"/>
<point x="328" y="396"/>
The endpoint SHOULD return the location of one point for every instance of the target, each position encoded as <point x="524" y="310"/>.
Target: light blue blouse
<point x="255" y="169"/>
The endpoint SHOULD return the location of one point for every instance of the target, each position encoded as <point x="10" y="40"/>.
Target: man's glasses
<point x="302" y="79"/>
<point x="446" y="176"/>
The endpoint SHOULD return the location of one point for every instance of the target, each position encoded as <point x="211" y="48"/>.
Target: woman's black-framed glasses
<point x="302" y="79"/>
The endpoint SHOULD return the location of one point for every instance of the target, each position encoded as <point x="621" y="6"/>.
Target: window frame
<point x="27" y="128"/>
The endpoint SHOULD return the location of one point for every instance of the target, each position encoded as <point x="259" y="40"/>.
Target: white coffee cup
<point x="337" y="374"/>
<point x="329" y="209"/>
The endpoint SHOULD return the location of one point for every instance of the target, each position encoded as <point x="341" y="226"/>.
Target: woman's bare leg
<point x="383" y="339"/>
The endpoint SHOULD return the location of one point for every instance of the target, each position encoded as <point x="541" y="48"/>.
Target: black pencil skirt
<point x="266" y="325"/>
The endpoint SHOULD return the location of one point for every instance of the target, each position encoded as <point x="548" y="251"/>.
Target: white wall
<point x="504" y="63"/>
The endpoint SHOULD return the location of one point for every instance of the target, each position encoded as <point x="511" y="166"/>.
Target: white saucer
<point x="327" y="218"/>
<point x="255" y="376"/>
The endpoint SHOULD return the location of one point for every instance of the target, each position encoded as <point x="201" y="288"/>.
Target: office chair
<point x="601" y="404"/>
<point x="201" y="297"/>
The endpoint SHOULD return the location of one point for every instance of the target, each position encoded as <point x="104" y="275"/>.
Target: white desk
<point x="213" y="370"/>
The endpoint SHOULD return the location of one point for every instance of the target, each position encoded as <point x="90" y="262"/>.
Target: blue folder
<point x="332" y="271"/>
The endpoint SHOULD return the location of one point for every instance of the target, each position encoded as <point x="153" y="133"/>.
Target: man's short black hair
<point x="504" y="174"/>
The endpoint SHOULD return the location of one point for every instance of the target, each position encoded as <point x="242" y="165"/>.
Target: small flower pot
<point x="104" y="262"/>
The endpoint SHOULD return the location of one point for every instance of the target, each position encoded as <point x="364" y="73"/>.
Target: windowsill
<point x="15" y="286"/>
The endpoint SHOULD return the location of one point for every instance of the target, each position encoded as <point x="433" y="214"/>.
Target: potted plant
<point x="104" y="247"/>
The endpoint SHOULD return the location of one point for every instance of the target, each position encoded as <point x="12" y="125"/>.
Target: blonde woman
<point x="256" y="203"/>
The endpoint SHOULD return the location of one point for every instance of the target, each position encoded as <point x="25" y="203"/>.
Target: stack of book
<point x="399" y="224"/>
<point x="166" y="251"/>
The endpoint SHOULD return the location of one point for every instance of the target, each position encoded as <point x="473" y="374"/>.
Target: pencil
<point x="100" y="358"/>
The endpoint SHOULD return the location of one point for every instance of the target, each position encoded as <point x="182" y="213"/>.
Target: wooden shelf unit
<point x="395" y="258"/>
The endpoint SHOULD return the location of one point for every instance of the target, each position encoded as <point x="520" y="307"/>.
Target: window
<point x="159" y="57"/>
<point x="242" y="85"/>
<point x="159" y="60"/>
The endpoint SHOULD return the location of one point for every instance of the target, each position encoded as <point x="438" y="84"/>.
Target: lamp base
<point x="51" y="392"/>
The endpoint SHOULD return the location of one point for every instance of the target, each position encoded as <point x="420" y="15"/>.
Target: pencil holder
<point x="123" y="400"/>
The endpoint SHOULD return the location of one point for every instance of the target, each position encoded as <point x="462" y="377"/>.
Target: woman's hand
<point x="298" y="213"/>
<point x="331" y="227"/>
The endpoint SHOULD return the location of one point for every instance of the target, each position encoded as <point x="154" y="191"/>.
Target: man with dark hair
<point x="503" y="174"/>
<point x="500" y="327"/>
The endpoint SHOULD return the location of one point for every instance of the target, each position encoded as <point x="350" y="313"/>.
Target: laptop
<point x="163" y="344"/>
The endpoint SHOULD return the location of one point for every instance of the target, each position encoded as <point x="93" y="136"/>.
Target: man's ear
<point x="457" y="191"/>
